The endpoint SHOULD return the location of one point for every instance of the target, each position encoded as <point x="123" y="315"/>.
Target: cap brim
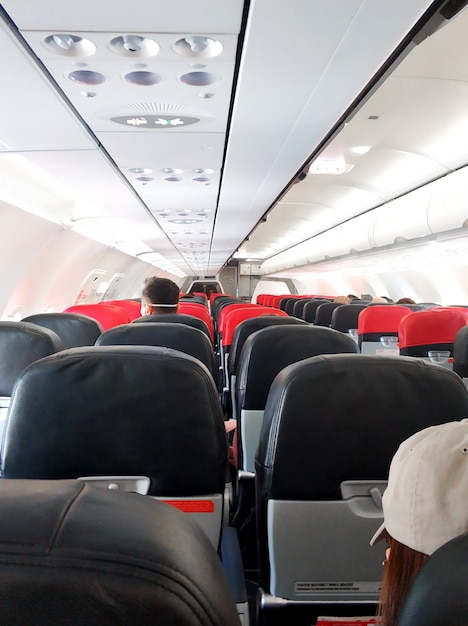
<point x="379" y="535"/>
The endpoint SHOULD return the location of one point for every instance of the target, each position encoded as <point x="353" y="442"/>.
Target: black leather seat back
<point x="266" y="352"/>
<point x="177" y="336"/>
<point x="324" y="312"/>
<point x="438" y="596"/>
<point x="22" y="343"/>
<point x="247" y="327"/>
<point x="310" y="309"/>
<point x="345" y="317"/>
<point x="174" y="318"/>
<point x="118" y="411"/>
<point x="299" y="305"/>
<point x="72" y="553"/>
<point x="73" y="329"/>
<point x="460" y="352"/>
<point x="340" y="417"/>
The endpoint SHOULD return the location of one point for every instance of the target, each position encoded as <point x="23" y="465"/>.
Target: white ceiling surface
<point x="421" y="134"/>
<point x="303" y="63"/>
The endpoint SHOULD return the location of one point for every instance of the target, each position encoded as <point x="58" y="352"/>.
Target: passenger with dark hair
<point x="425" y="505"/>
<point x="405" y="301"/>
<point x="159" y="295"/>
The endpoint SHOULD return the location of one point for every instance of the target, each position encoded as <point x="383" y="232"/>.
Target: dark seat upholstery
<point x="299" y="305"/>
<point x="310" y="309"/>
<point x="249" y="326"/>
<point x="330" y="421"/>
<point x="345" y="317"/>
<point x="73" y="329"/>
<point x="460" y="352"/>
<point x="177" y="336"/>
<point x="324" y="312"/>
<point x="76" y="554"/>
<point x="175" y="318"/>
<point x="438" y="596"/>
<point x="265" y="353"/>
<point x="119" y="410"/>
<point x="21" y="343"/>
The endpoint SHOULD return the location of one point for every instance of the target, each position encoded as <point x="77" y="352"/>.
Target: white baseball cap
<point x="426" y="501"/>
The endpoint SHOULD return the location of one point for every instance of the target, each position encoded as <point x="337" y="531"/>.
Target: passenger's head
<point x="405" y="301"/>
<point x="159" y="295"/>
<point x="380" y="300"/>
<point x="342" y="299"/>
<point x="425" y="505"/>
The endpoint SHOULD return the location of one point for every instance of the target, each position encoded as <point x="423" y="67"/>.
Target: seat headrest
<point x="118" y="410"/>
<point x="22" y="343"/>
<point x="73" y="329"/>
<point x="269" y="350"/>
<point x="71" y="553"/>
<point x="180" y="337"/>
<point x="341" y="417"/>
<point x="438" y="595"/>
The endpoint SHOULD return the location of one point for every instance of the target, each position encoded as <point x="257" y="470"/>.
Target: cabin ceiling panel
<point x="33" y="114"/>
<point x="329" y="61"/>
<point x="407" y="134"/>
<point x="203" y="16"/>
<point x="301" y="66"/>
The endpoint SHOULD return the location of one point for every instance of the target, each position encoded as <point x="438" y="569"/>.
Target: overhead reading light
<point x="69" y="45"/>
<point x="196" y="46"/>
<point x="133" y="46"/>
<point x="361" y="149"/>
<point x="330" y="166"/>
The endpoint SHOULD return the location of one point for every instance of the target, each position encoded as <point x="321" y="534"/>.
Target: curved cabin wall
<point x="44" y="266"/>
<point x="415" y="246"/>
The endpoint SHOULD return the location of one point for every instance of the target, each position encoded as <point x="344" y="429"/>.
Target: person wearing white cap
<point x="425" y="505"/>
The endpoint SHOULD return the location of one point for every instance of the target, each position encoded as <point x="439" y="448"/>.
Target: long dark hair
<point x="401" y="567"/>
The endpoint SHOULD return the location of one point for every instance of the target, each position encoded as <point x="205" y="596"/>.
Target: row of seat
<point x="113" y="433"/>
<point x="304" y="409"/>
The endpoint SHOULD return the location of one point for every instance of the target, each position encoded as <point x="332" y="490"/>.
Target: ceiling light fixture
<point x="196" y="46"/>
<point x="330" y="166"/>
<point x="361" y="149"/>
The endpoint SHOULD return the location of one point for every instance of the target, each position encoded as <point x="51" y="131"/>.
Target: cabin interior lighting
<point x="360" y="149"/>
<point x="27" y="186"/>
<point x="330" y="166"/>
<point x="172" y="170"/>
<point x="197" y="46"/>
<point x="134" y="46"/>
<point x="65" y="44"/>
<point x="140" y="170"/>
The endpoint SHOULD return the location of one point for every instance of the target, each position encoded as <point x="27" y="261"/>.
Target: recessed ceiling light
<point x="361" y="149"/>
<point x="185" y="221"/>
<point x="140" y="170"/>
<point x="145" y="179"/>
<point x="172" y="170"/>
<point x="330" y="166"/>
<point x="196" y="46"/>
<point x="133" y="46"/>
<point x="69" y="45"/>
<point x="173" y="179"/>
